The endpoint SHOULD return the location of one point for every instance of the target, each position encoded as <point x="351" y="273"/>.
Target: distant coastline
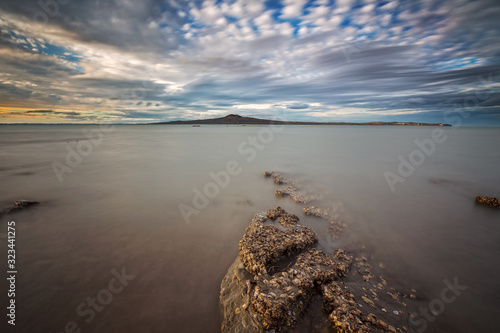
<point x="234" y="119"/>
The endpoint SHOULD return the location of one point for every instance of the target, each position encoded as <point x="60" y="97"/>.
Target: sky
<point x="129" y="61"/>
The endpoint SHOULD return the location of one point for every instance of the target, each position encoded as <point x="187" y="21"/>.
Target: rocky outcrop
<point x="488" y="201"/>
<point x="255" y="296"/>
<point x="291" y="190"/>
<point x="18" y="205"/>
<point x="262" y="244"/>
<point x="279" y="273"/>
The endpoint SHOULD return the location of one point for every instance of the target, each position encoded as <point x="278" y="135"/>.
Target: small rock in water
<point x="17" y="206"/>
<point x="25" y="203"/>
<point x="488" y="201"/>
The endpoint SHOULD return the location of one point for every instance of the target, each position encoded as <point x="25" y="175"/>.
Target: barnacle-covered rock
<point x="364" y="268"/>
<point x="275" y="300"/>
<point x="284" y="218"/>
<point x="292" y="190"/>
<point x="262" y="244"/>
<point x="278" y="179"/>
<point x="281" y="298"/>
<point x="294" y="193"/>
<point x="336" y="228"/>
<point x="343" y="262"/>
<point x="278" y="277"/>
<point x="344" y="312"/>
<point x="315" y="211"/>
<point x="488" y="201"/>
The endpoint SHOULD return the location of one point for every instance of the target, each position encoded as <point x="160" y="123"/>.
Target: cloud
<point x="39" y="111"/>
<point x="298" y="106"/>
<point x="158" y="60"/>
<point x="293" y="8"/>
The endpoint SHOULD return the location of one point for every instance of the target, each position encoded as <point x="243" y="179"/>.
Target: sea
<point x="138" y="224"/>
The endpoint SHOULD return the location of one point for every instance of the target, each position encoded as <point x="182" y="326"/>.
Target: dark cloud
<point x="124" y="24"/>
<point x="12" y="92"/>
<point x="69" y="113"/>
<point x="39" y="111"/>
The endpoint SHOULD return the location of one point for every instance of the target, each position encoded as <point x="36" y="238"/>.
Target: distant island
<point x="234" y="119"/>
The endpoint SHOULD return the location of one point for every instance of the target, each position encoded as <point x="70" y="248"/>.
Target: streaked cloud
<point x="157" y="60"/>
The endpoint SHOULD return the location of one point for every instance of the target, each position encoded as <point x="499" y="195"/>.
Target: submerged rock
<point x="291" y="190"/>
<point x="488" y="201"/>
<point x="294" y="193"/>
<point x="18" y="205"/>
<point x="336" y="228"/>
<point x="315" y="211"/>
<point x="278" y="179"/>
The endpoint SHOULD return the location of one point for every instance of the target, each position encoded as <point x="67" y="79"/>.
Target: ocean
<point x="138" y="224"/>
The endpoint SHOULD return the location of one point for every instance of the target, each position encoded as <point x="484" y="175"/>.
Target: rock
<point x="25" y="203"/>
<point x="284" y="218"/>
<point x="278" y="179"/>
<point x="276" y="300"/>
<point x="488" y="201"/>
<point x="292" y="190"/>
<point x="262" y="244"/>
<point x="345" y="315"/>
<point x="18" y="205"/>
<point x="233" y="296"/>
<point x="367" y="301"/>
<point x="278" y="274"/>
<point x="294" y="193"/>
<point x="314" y="211"/>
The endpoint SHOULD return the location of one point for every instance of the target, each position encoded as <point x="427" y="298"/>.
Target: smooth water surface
<point x="118" y="209"/>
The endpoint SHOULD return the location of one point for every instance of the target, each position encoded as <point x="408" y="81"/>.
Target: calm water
<point x="119" y="210"/>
